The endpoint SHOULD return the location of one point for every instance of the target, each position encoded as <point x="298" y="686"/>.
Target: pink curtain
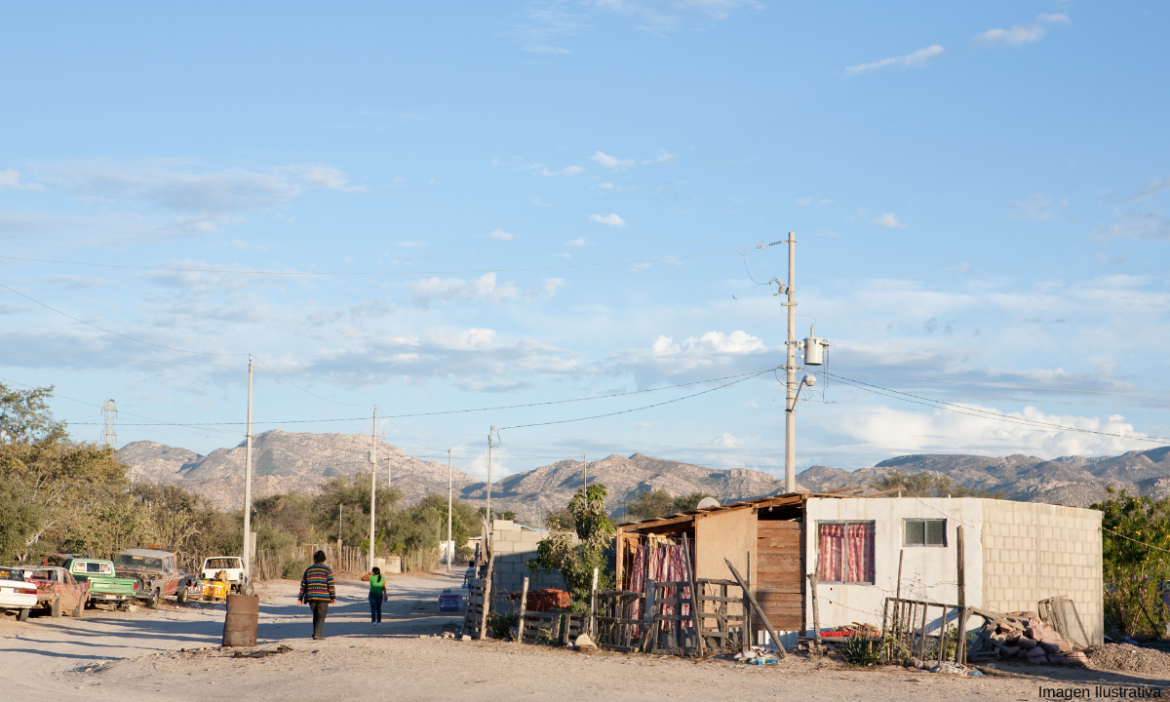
<point x="661" y="563"/>
<point x="860" y="545"/>
<point x="832" y="549"/>
<point x="846" y="552"/>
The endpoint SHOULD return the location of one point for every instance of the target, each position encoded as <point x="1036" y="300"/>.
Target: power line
<point x="1014" y="386"/>
<point x="1143" y="543"/>
<point x="298" y="387"/>
<point x="741" y="376"/>
<point x="986" y="414"/>
<point x="637" y="409"/>
<point x="370" y="273"/>
<point x="107" y="331"/>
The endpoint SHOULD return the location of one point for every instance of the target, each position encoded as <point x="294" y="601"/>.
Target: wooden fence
<point x="346" y="560"/>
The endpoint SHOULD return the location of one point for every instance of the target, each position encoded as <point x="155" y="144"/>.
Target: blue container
<point x="450" y="601"/>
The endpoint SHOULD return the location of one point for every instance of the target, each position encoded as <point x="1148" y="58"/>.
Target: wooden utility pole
<point x="373" y="484"/>
<point x="488" y="511"/>
<point x="248" y="482"/>
<point x="450" y="542"/>
<point x="961" y="633"/>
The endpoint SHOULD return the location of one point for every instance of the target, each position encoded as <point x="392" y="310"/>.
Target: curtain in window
<point x="846" y="552"/>
<point x="860" y="547"/>
<point x="832" y="552"/>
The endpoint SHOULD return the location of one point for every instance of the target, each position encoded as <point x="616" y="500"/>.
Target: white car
<point x="16" y="592"/>
<point x="232" y="567"/>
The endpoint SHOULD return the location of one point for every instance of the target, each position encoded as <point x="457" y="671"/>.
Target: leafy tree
<point x="650" y="504"/>
<point x="576" y="553"/>
<point x="927" y="485"/>
<point x="1134" y="571"/>
<point x="25" y="416"/>
<point x="509" y="515"/>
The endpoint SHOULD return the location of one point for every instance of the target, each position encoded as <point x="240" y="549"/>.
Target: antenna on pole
<point x="109" y="414"/>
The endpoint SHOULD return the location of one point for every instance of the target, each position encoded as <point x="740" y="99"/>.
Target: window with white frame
<point x="924" y="532"/>
<point x="845" y="551"/>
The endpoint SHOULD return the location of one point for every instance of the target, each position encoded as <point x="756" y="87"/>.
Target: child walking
<point x="377" y="594"/>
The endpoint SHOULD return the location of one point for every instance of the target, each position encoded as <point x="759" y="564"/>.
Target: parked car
<point x="16" y="593"/>
<point x="225" y="569"/>
<point x="157" y="572"/>
<point x="104" y="585"/>
<point x="57" y="591"/>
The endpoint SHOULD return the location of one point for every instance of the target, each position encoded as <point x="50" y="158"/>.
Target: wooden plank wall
<point x="778" y="583"/>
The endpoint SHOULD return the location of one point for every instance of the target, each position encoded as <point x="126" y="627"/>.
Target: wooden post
<point x="961" y="637"/>
<point x="898" y="595"/>
<point x="487" y="596"/>
<point x="620" y="543"/>
<point x="591" y="624"/>
<point x="942" y="636"/>
<point x="650" y="637"/>
<point x="523" y="610"/>
<point x="922" y="635"/>
<point x="812" y="591"/>
<point x="756" y="605"/>
<point x="747" y="613"/>
<point x="696" y="615"/>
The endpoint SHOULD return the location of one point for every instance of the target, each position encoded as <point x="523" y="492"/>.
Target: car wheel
<point x="22" y="616"/>
<point x="152" y="601"/>
<point x="79" y="612"/>
<point x="55" y="608"/>
<point x="181" y="595"/>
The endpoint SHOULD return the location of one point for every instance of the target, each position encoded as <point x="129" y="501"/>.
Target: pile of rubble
<point x="1025" y="636"/>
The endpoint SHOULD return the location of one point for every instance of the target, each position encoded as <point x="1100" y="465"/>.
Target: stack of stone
<point x="1024" y="635"/>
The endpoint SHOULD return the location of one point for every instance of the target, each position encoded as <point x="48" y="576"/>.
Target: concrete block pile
<point x="1029" y="639"/>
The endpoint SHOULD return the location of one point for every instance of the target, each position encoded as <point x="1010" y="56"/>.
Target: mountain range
<point x="286" y="461"/>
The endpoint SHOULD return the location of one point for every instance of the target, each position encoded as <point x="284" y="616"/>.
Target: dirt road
<point x="173" y="654"/>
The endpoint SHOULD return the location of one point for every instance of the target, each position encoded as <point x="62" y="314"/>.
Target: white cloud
<point x="610" y="220"/>
<point x="481" y="289"/>
<point x="410" y="244"/>
<point x="1136" y="225"/>
<point x="11" y="179"/>
<point x="888" y="220"/>
<point x="538" y="202"/>
<point x="549" y="286"/>
<point x="1018" y="35"/>
<point x="545" y="49"/>
<point x="806" y="201"/>
<point x="544" y="171"/>
<point x="726" y="440"/>
<point x="611" y="161"/>
<point x="665" y="159"/>
<point x="669" y="15"/>
<point x="918" y="58"/>
<point x="1055" y="18"/>
<point x="605" y="186"/>
<point x="579" y="241"/>
<point x="1156" y="185"/>
<point x="501" y="235"/>
<point x="326" y="178"/>
<point x="1036" y="208"/>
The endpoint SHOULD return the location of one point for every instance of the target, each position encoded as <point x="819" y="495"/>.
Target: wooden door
<point x="778" y="580"/>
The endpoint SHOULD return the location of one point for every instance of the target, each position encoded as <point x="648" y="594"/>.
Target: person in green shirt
<point x="377" y="583"/>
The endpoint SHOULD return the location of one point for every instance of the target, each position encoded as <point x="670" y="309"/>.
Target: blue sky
<point x="979" y="193"/>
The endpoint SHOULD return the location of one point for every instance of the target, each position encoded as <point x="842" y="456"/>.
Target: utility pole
<point x="373" y="483"/>
<point x="109" y="413"/>
<point x="450" y="483"/>
<point x="489" y="478"/>
<point x="790" y="374"/>
<point x="339" y="529"/>
<point x="248" y="481"/>
<point x="584" y="476"/>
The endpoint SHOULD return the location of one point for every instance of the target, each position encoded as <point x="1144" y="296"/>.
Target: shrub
<point x="862" y="650"/>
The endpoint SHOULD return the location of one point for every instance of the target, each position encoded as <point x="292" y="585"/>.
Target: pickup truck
<point x="57" y="590"/>
<point x="226" y="569"/>
<point x="104" y="585"/>
<point x="157" y="573"/>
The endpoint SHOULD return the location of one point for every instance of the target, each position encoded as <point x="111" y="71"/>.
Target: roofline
<point x="788" y="498"/>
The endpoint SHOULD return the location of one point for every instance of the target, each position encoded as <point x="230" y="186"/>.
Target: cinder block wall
<point x="514" y="547"/>
<point x="1034" y="551"/>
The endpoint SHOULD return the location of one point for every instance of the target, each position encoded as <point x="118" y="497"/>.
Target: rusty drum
<point x="243" y="614"/>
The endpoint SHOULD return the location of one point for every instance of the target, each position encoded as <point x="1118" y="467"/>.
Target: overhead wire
<point x="108" y="331"/>
<point x="176" y="269"/>
<point x="987" y="414"/>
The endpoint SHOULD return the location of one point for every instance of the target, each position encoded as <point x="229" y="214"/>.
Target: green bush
<point x="862" y="650"/>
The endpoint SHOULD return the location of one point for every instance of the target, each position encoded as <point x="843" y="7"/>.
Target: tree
<point x="25" y="417"/>
<point x="927" y="485"/>
<point x="650" y="504"/>
<point x="1135" y="537"/>
<point x="576" y="553"/>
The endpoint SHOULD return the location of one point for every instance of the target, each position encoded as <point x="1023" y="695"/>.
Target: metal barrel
<point x="243" y="614"/>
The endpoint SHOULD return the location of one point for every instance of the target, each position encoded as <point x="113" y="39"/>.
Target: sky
<point x="435" y="208"/>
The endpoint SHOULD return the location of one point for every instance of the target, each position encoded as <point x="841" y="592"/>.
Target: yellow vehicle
<point x="217" y="588"/>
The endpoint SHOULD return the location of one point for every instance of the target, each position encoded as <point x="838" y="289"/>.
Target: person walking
<point x="318" y="592"/>
<point x="377" y="583"/>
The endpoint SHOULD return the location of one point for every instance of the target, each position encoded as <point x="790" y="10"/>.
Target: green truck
<point x="104" y="585"/>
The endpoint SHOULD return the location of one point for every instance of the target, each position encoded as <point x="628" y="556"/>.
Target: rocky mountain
<point x="1070" y="480"/>
<point x="285" y="461"/>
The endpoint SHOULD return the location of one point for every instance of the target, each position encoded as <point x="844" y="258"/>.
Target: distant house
<point x="1015" y="554"/>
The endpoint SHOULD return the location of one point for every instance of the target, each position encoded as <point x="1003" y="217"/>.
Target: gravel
<point x="1129" y="658"/>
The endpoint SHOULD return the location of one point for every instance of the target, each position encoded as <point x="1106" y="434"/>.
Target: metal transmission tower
<point x="109" y="414"/>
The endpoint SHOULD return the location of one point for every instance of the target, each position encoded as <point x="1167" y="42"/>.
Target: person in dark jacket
<point x="318" y="591"/>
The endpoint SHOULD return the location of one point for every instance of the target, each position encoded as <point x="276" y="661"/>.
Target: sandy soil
<point x="173" y="653"/>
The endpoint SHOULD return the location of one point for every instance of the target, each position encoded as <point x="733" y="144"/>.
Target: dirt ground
<point x="173" y="653"/>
